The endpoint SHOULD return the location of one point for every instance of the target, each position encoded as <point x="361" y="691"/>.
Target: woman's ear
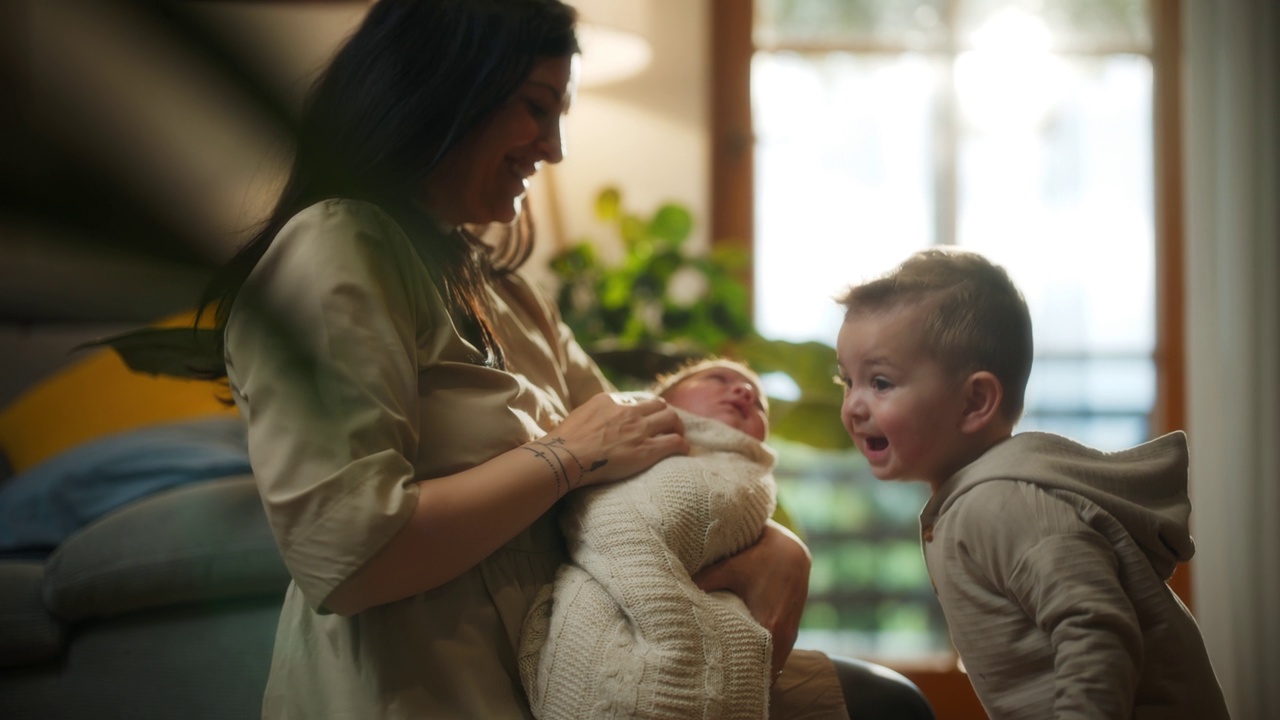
<point x="983" y="394"/>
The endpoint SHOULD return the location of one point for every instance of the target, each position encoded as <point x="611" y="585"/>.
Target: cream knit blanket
<point x="624" y="632"/>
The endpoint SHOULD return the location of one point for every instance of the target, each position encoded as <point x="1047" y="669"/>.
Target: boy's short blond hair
<point x="978" y="319"/>
<point x="666" y="381"/>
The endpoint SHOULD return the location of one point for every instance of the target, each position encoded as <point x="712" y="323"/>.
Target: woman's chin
<point x="507" y="214"/>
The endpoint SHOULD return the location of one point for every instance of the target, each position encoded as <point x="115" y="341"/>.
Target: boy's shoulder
<point x="993" y="507"/>
<point x="1055" y="461"/>
<point x="1043" y="484"/>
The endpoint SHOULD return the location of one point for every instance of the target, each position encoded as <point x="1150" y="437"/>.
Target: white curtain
<point x="1232" y="63"/>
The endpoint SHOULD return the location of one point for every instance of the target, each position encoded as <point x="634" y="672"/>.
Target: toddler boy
<point x="1049" y="558"/>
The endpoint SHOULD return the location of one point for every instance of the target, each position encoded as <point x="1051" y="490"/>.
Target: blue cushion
<point x="43" y="505"/>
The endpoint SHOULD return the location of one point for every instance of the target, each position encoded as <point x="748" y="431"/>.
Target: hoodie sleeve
<point x="1035" y="605"/>
<point x="1068" y="583"/>
<point x="1058" y="604"/>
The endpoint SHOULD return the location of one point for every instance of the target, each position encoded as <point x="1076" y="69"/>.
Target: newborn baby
<point x="624" y="631"/>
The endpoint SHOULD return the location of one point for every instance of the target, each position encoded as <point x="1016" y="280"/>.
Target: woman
<point x="415" y="409"/>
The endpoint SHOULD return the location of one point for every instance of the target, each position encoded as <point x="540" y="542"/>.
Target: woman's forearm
<point x="461" y="519"/>
<point x="458" y="521"/>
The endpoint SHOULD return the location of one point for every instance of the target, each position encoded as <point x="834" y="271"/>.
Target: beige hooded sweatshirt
<point x="1050" y="561"/>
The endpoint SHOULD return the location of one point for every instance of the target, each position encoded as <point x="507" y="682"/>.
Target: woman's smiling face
<point x="484" y="176"/>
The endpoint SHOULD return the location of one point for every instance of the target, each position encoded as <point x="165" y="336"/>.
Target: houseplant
<point x="662" y="305"/>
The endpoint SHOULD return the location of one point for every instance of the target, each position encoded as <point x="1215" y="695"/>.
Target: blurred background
<point x="1119" y="157"/>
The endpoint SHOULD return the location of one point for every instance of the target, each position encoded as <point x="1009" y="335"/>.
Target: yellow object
<point x="98" y="396"/>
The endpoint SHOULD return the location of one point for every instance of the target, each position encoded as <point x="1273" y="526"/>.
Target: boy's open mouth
<point x="877" y="443"/>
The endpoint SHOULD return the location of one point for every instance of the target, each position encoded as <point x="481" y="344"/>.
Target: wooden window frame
<point x="733" y="213"/>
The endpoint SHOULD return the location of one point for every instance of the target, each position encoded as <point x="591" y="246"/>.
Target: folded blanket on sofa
<point x="43" y="505"/>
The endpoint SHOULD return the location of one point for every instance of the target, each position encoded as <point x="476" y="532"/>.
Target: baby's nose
<point x="744" y="389"/>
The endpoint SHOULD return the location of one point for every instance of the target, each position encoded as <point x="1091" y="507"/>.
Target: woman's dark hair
<point x="415" y="77"/>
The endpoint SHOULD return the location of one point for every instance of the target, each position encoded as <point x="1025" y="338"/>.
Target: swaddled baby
<point x="624" y="631"/>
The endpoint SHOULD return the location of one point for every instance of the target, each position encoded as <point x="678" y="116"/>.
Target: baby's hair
<point x="977" y="318"/>
<point x="666" y="381"/>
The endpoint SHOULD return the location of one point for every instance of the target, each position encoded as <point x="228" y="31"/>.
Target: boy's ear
<point x="983" y="393"/>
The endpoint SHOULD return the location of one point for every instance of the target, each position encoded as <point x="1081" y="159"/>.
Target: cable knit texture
<point x="624" y="632"/>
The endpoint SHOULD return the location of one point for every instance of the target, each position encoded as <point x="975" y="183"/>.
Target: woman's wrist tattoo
<point x="552" y="453"/>
<point x="556" y="472"/>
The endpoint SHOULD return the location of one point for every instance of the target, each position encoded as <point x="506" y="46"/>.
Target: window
<point x="1024" y="129"/>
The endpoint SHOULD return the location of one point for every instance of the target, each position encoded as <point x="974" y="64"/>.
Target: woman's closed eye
<point x="537" y="110"/>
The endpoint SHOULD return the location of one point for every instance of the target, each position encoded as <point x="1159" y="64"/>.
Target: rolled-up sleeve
<point x="323" y="361"/>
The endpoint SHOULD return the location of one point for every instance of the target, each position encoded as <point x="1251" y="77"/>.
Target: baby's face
<point x="725" y="395"/>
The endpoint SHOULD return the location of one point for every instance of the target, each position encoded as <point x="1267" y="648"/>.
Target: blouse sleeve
<point x="322" y="357"/>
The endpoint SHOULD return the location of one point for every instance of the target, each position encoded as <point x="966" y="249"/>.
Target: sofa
<point x="138" y="575"/>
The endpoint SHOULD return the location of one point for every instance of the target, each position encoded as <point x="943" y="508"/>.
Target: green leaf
<point x="813" y="423"/>
<point x="617" y="291"/>
<point x="178" y="352"/>
<point x="672" y="223"/>
<point x="663" y="265"/>
<point x="573" y="262"/>
<point x="727" y="259"/>
<point x="812" y="365"/>
<point x="609" y="204"/>
<point x="729" y="298"/>
<point x="635" y="235"/>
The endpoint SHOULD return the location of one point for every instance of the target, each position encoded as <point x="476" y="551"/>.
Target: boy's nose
<point x="744" y="389"/>
<point x="855" y="406"/>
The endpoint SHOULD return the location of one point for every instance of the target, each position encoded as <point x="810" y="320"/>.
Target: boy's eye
<point x="879" y="383"/>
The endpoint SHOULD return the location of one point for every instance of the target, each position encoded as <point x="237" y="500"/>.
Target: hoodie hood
<point x="1143" y="487"/>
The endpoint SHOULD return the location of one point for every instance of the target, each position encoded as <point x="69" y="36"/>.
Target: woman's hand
<point x="772" y="578"/>
<point x="611" y="437"/>
<point x="461" y="518"/>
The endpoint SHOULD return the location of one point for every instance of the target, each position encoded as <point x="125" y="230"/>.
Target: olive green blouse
<point x="356" y="387"/>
